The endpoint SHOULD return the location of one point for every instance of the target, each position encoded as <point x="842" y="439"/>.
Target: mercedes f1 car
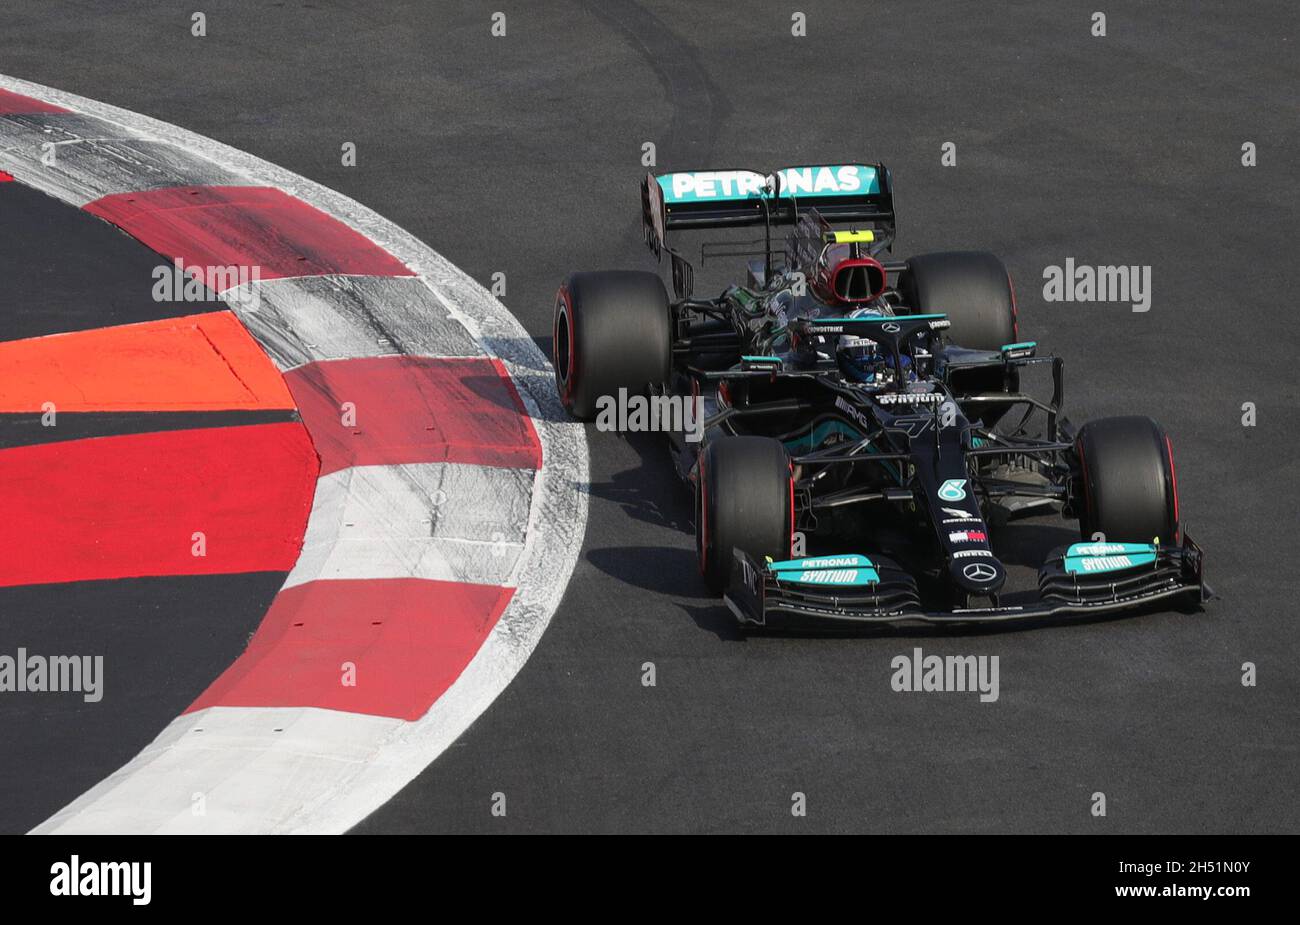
<point x="861" y="421"/>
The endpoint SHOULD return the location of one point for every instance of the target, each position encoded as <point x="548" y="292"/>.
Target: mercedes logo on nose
<point x="890" y="328"/>
<point x="980" y="571"/>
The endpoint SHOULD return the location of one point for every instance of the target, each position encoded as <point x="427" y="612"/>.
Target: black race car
<point x="852" y="424"/>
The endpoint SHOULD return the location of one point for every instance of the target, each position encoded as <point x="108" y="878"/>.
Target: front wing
<point x="760" y="600"/>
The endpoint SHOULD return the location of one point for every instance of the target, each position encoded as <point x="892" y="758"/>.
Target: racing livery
<point x="869" y="410"/>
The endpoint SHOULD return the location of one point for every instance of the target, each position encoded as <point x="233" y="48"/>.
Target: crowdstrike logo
<point x="76" y="877"/>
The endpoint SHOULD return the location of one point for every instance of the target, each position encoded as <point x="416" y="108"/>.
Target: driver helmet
<point x="861" y="358"/>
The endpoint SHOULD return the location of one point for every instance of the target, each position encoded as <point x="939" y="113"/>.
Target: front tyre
<point x="1130" y="490"/>
<point x="744" y="499"/>
<point x="613" y="330"/>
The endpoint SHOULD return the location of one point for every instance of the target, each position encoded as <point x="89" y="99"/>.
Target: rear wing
<point x="861" y="193"/>
<point x="723" y="198"/>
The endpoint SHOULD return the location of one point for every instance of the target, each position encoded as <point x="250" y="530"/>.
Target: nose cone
<point x="978" y="574"/>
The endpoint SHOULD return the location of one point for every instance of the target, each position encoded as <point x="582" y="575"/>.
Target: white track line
<point x="313" y="770"/>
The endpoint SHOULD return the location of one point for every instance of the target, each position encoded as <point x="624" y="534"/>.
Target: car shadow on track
<point x="649" y="491"/>
<point x="671" y="572"/>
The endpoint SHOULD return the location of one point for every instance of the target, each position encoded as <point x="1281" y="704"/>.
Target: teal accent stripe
<point x="842" y="560"/>
<point x="813" y="180"/>
<point x="879" y="318"/>
<point x="830" y="577"/>
<point x="1099" y="558"/>
<point x="820" y="433"/>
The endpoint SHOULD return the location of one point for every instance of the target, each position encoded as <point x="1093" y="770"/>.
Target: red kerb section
<point x="130" y="506"/>
<point x="391" y="410"/>
<point x="386" y="647"/>
<point x="244" y="226"/>
<point x="15" y="104"/>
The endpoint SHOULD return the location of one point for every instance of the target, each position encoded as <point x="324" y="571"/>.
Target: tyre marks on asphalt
<point x="425" y="568"/>
<point x="330" y="317"/>
<point x="698" y="105"/>
<point x="77" y="158"/>
<point x="77" y="168"/>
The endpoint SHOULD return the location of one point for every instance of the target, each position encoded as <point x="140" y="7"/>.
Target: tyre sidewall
<point x="744" y="501"/>
<point x="1129" y="484"/>
<point x="612" y="330"/>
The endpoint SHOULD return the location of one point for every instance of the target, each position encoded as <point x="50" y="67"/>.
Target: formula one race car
<point x="852" y="425"/>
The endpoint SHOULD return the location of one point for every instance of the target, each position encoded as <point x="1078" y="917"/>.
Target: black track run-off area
<point x="522" y="155"/>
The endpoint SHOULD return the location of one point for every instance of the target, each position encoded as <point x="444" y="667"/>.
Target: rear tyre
<point x="1130" y="490"/>
<point x="974" y="290"/>
<point x="743" y="500"/>
<point x="613" y="330"/>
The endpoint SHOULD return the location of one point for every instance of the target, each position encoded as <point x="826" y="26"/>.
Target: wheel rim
<point x="562" y="338"/>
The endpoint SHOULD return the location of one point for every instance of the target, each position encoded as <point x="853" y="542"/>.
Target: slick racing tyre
<point x="744" y="499"/>
<point x="1130" y="491"/>
<point x="613" y="330"/>
<point x="972" y="288"/>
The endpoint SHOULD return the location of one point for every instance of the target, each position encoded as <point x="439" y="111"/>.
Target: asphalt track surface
<point x="521" y="155"/>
